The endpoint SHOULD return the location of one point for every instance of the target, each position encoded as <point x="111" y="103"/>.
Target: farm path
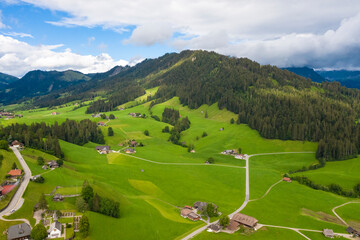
<point x="267" y="192"/>
<point x="348" y="236"/>
<point x="333" y="210"/>
<point x="180" y="164"/>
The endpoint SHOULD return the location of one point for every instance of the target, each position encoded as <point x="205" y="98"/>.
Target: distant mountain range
<point x="37" y="83"/>
<point x="350" y="79"/>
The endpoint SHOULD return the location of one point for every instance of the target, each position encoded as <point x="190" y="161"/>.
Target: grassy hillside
<point x="152" y="184"/>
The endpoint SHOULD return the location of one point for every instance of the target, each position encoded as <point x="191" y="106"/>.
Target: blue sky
<point x="93" y="36"/>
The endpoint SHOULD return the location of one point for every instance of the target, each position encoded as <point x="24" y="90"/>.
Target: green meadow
<point x="153" y="184"/>
<point x="345" y="173"/>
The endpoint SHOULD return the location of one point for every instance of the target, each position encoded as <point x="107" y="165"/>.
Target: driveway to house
<point x="17" y="199"/>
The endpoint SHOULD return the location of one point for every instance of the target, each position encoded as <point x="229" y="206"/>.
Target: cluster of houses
<point x="192" y="213"/>
<point x="234" y="153"/>
<point x="135" y="114"/>
<point x="329" y="233"/>
<point x="9" y="115"/>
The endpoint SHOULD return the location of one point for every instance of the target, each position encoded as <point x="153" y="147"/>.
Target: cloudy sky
<point x="94" y="35"/>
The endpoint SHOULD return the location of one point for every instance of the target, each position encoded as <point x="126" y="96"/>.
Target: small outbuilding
<point x="103" y="149"/>
<point x="130" y="150"/>
<point x="101" y="124"/>
<point x="53" y="164"/>
<point x="287" y="179"/>
<point x="328" y="233"/>
<point x="58" y="197"/>
<point x="214" y="228"/>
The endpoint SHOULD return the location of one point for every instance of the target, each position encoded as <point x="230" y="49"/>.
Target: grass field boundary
<point x="181" y="164"/>
<point x="333" y="210"/>
<point x="267" y="191"/>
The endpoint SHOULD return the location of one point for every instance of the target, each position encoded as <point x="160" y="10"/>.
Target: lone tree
<point x="110" y="131"/>
<point x="84" y="226"/>
<point x="87" y="191"/>
<point x="111" y="116"/>
<point x="204" y="134"/>
<point x="224" y="221"/>
<point x="211" y="211"/>
<point x="40" y="161"/>
<point x="146" y="132"/>
<point x="239" y="150"/>
<point x="232" y="121"/>
<point x="211" y="160"/>
<point x="38" y="232"/>
<point x="42" y="202"/>
<point x="206" y="114"/>
<point x="14" y="166"/>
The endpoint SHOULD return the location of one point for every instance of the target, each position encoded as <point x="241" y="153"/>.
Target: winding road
<point x="17" y="200"/>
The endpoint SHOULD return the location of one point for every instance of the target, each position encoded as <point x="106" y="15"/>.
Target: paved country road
<point x="17" y="200"/>
<point x="247" y="192"/>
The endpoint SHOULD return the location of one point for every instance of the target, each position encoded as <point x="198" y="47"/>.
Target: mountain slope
<point x="6" y="79"/>
<point x="36" y="83"/>
<point x="277" y="103"/>
<point x="307" y="73"/>
<point x="350" y="79"/>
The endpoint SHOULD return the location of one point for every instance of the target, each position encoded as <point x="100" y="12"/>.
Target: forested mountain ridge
<point x="307" y="73"/>
<point x="6" y="79"/>
<point x="38" y="82"/>
<point x="277" y="103"/>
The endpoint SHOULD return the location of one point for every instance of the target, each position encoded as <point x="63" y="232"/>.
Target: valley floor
<point x="161" y="177"/>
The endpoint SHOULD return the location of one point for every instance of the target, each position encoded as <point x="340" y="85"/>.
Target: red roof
<point x="287" y="179"/>
<point x="15" y="172"/>
<point x="7" y="189"/>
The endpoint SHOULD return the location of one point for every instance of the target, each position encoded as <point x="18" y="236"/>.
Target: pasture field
<point x="345" y="173"/>
<point x="153" y="184"/>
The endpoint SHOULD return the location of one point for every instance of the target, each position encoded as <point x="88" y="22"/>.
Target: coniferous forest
<point x="277" y="103"/>
<point x="46" y="137"/>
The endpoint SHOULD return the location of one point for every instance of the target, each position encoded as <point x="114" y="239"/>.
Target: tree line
<point x="172" y="116"/>
<point x="46" y="137"/>
<point x="93" y="202"/>
<point x="125" y="95"/>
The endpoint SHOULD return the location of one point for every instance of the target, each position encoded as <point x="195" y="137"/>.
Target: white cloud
<point x="17" y="58"/>
<point x="16" y="34"/>
<point x="150" y="33"/>
<point x="276" y="32"/>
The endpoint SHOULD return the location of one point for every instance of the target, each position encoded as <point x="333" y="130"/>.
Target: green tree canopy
<point x="38" y="232"/>
<point x="84" y="226"/>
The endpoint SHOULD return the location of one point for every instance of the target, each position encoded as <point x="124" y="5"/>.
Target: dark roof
<point x="244" y="219"/>
<point x="233" y="225"/>
<point x="200" y="205"/>
<point x="215" y="227"/>
<point x="102" y="148"/>
<point x="16" y="142"/>
<point x="18" y="231"/>
<point x="351" y="230"/>
<point x="58" y="225"/>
